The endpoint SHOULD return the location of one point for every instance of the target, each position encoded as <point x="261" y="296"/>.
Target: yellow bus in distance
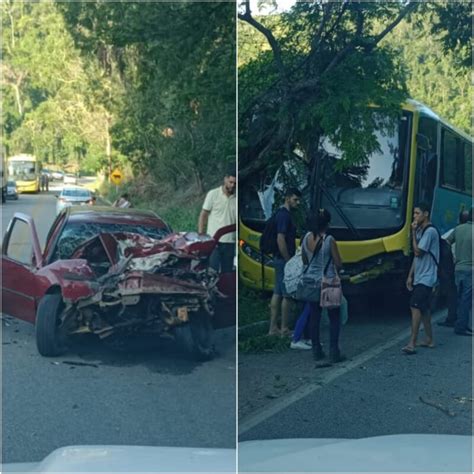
<point x="25" y="170"/>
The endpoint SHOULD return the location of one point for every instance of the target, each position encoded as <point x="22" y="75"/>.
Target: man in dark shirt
<point x="286" y="243"/>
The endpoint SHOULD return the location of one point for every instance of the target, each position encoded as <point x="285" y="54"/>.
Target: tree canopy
<point x="145" y="84"/>
<point x="315" y="70"/>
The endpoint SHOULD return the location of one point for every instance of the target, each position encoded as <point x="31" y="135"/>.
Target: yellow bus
<point x="422" y="159"/>
<point x="25" y="170"/>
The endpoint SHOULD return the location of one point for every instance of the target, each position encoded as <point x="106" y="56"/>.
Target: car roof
<point x="76" y="188"/>
<point x="115" y="215"/>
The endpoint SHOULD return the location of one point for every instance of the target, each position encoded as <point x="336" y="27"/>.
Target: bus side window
<point x="468" y="168"/>
<point x="449" y="161"/>
<point x="427" y="160"/>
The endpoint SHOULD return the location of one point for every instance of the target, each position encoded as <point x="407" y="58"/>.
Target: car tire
<point x="197" y="337"/>
<point x="48" y="342"/>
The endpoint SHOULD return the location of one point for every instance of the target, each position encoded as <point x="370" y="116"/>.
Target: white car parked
<point x="74" y="196"/>
<point x="70" y="179"/>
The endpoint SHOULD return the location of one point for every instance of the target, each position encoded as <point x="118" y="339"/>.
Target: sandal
<point x="409" y="350"/>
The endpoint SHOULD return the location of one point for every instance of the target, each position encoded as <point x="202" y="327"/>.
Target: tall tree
<point x="454" y="24"/>
<point x="325" y="65"/>
<point x="177" y="65"/>
<point x="47" y="88"/>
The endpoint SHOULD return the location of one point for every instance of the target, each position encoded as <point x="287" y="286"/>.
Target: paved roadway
<point x="376" y="392"/>
<point x="147" y="397"/>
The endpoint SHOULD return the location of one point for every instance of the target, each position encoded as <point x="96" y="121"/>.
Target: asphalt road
<point x="94" y="395"/>
<point x="377" y="392"/>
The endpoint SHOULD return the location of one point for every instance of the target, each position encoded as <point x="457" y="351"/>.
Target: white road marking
<point x="275" y="407"/>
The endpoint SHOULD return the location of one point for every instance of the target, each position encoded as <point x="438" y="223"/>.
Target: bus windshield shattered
<point x="367" y="200"/>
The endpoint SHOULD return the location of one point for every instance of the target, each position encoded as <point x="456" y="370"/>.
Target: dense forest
<point x="148" y="87"/>
<point x="311" y="72"/>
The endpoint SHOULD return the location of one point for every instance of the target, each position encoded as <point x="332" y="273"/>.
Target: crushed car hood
<point x="146" y="253"/>
<point x="133" y="264"/>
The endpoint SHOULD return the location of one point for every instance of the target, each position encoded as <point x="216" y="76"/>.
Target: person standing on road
<point x="462" y="237"/>
<point x="220" y="210"/>
<point x="423" y="275"/>
<point x="285" y="249"/>
<point x="449" y="283"/>
<point x="122" y="202"/>
<point x="326" y="260"/>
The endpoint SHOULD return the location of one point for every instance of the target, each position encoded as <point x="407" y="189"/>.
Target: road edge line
<point x="272" y="409"/>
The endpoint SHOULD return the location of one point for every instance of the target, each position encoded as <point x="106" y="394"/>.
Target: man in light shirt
<point x="220" y="210"/>
<point x="462" y="237"/>
<point x="449" y="285"/>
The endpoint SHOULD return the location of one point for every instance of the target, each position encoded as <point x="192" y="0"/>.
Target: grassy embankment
<point x="254" y="307"/>
<point x="179" y="208"/>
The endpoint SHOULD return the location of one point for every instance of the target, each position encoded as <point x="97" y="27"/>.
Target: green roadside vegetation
<point x="149" y="88"/>
<point x="263" y="344"/>
<point x="253" y="306"/>
<point x="179" y="209"/>
<point x="311" y="72"/>
<point x="254" y="317"/>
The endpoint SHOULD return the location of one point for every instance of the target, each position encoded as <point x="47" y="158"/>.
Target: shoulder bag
<point x="309" y="287"/>
<point x="331" y="289"/>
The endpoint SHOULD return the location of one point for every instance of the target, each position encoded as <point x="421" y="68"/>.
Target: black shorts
<point x="421" y="297"/>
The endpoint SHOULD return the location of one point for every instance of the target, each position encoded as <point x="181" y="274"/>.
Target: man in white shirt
<point x="219" y="210"/>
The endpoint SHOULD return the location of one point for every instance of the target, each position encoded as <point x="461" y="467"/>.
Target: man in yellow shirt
<point x="219" y="210"/>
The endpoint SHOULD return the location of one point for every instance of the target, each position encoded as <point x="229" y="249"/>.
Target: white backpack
<point x="292" y="273"/>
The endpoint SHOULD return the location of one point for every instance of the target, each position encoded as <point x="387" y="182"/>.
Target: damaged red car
<point x="112" y="272"/>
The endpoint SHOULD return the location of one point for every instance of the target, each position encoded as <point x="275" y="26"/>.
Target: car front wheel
<point x="49" y="341"/>
<point x="196" y="336"/>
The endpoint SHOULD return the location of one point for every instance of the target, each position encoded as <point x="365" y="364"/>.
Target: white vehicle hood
<point x="131" y="459"/>
<point x="395" y="453"/>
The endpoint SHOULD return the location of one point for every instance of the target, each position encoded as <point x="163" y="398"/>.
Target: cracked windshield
<point x="119" y="236"/>
<point x="355" y="237"/>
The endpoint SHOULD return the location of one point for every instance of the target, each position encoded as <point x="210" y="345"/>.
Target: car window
<point x="53" y="234"/>
<point x="76" y="193"/>
<point x="75" y="234"/>
<point x="20" y="247"/>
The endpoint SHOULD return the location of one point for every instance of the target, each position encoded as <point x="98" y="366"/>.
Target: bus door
<point x="426" y="161"/>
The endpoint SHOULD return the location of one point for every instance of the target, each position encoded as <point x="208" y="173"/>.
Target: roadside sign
<point x="116" y="177"/>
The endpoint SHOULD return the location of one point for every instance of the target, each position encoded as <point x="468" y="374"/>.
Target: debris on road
<point x="437" y="406"/>
<point x="463" y="400"/>
<point x="81" y="364"/>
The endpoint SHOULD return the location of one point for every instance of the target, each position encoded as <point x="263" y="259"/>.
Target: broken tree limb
<point x="438" y="406"/>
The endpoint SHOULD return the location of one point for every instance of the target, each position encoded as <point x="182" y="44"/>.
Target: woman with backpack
<point x="320" y="254"/>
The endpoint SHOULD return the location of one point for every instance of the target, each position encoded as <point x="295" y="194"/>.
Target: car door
<point x="21" y="255"/>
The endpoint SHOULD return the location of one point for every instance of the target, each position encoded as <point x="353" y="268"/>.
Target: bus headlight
<point x="254" y="254"/>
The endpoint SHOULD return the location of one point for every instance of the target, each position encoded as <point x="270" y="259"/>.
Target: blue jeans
<point x="464" y="286"/>
<point x="301" y="323"/>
